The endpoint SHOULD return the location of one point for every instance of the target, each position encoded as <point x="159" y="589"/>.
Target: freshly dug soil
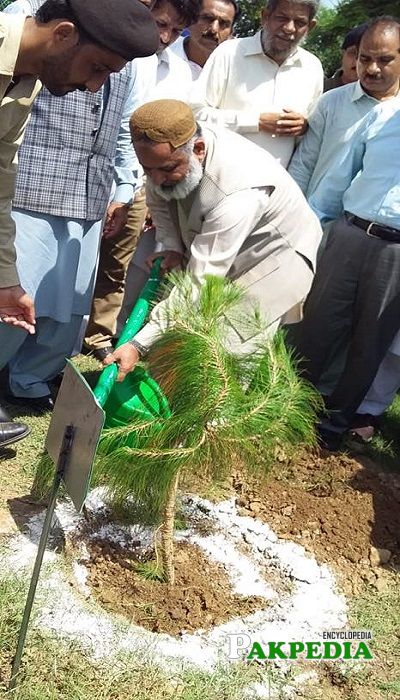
<point x="338" y="508"/>
<point x="201" y="598"/>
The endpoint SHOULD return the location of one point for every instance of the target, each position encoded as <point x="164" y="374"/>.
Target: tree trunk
<point x="167" y="532"/>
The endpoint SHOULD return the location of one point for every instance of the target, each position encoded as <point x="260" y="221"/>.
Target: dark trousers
<point x="355" y="302"/>
<point x="115" y="256"/>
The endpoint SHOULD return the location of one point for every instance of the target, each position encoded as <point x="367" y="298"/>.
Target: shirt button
<point x="95" y="108"/>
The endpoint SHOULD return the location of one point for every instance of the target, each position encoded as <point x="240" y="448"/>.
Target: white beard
<point x="183" y="188"/>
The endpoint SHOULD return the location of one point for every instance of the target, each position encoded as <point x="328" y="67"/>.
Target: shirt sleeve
<point x="327" y="200"/>
<point x="126" y="164"/>
<point x="8" y="167"/>
<point x="305" y="157"/>
<point x="318" y="89"/>
<point x="208" y="92"/>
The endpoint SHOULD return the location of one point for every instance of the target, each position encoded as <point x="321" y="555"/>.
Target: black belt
<point x="386" y="233"/>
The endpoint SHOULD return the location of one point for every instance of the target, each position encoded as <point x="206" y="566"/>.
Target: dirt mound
<point x="345" y="512"/>
<point x="201" y="598"/>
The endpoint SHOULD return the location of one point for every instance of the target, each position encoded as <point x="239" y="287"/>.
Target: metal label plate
<point x="76" y="406"/>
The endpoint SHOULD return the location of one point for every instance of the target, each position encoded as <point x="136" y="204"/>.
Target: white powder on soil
<point x="312" y="606"/>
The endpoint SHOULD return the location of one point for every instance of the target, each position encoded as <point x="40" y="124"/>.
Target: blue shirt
<point x="364" y="179"/>
<point x="331" y="125"/>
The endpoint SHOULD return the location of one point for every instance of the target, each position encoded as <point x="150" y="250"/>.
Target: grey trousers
<point x="35" y="359"/>
<point x="354" y="301"/>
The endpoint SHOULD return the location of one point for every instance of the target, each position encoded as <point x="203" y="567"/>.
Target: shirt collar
<point x="254" y="47"/>
<point x="11" y="27"/>
<point x="359" y="93"/>
<point x="164" y="57"/>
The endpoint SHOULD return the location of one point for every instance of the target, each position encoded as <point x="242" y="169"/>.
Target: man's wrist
<point x="142" y="350"/>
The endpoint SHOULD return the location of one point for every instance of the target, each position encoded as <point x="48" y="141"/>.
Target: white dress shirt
<point x="178" y="47"/>
<point x="164" y="76"/>
<point x="239" y="82"/>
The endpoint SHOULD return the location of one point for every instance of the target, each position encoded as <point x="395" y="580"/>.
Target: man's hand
<point x="291" y="124"/>
<point x="126" y="358"/>
<point x="17" y="309"/>
<point x="116" y="217"/>
<point x="285" y="123"/>
<point x="148" y="221"/>
<point x="171" y="259"/>
<point x="268" y="122"/>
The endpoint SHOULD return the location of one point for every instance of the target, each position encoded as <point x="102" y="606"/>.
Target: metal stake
<point x="61" y="467"/>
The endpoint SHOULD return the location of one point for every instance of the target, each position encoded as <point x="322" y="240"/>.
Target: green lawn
<point x="54" y="670"/>
<point x="385" y="447"/>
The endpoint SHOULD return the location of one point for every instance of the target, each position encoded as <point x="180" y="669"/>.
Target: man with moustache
<point x="339" y="112"/>
<point x="355" y="297"/>
<point x="241" y="79"/>
<point x="164" y="74"/>
<point x="264" y="86"/>
<point x="251" y="224"/>
<point x="66" y="48"/>
<point x="326" y="145"/>
<point x="347" y="73"/>
<point x="215" y="25"/>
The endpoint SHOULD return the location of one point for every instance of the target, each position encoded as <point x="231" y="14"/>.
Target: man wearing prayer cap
<point x="222" y="206"/>
<point x="122" y="271"/>
<point x="68" y="45"/>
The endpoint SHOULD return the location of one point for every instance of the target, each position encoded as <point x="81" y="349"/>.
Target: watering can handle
<point x="134" y="323"/>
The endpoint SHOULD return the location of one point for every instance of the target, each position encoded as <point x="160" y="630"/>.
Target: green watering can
<point x="138" y="392"/>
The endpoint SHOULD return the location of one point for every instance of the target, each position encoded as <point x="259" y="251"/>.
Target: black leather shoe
<point x="328" y="439"/>
<point x="99" y="353"/>
<point x="57" y="380"/>
<point x="39" y="404"/>
<point x="11" y="431"/>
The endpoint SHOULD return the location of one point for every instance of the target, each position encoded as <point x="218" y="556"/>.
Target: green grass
<point x="55" y="670"/>
<point x="150" y="570"/>
<point x="378" y="679"/>
<point x="24" y="468"/>
<point x="392" y="687"/>
<point x="380" y="613"/>
<point x="385" y="446"/>
<point x="18" y="466"/>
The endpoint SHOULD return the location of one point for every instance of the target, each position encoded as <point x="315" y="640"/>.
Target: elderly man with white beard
<point x="222" y="206"/>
